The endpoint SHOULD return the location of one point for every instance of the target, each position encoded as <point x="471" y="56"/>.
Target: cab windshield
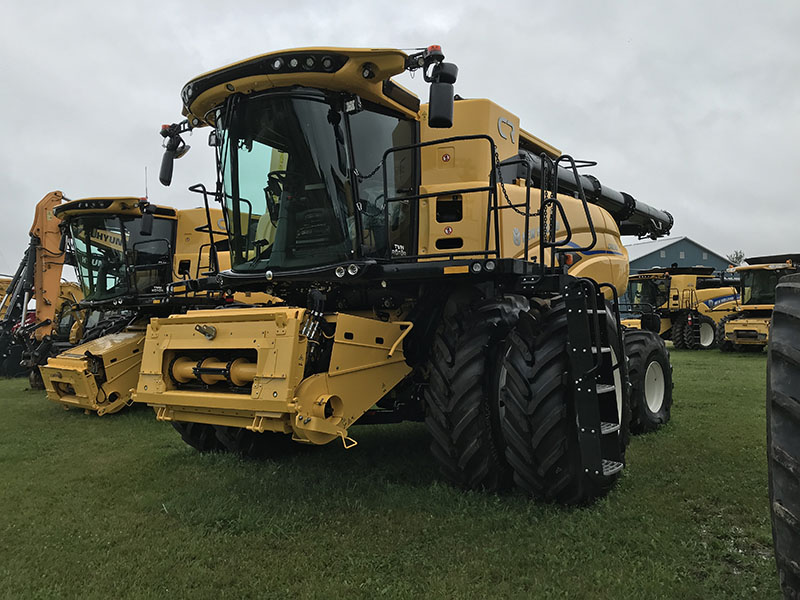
<point x="114" y="259"/>
<point x="758" y="286"/>
<point x="651" y="292"/>
<point x="303" y="181"/>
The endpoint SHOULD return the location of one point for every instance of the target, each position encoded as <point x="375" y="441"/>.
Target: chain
<point x="503" y="188"/>
<point x="365" y="177"/>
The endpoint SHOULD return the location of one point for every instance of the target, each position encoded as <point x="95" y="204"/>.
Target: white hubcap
<point x="706" y="335"/>
<point x="654" y="386"/>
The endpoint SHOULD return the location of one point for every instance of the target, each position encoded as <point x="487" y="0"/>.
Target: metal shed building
<point x="678" y="250"/>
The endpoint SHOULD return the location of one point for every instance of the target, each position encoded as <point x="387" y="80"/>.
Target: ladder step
<point x="605" y="388"/>
<point x="606" y="427"/>
<point x="611" y="466"/>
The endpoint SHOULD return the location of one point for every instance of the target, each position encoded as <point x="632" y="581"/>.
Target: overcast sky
<point x="693" y="107"/>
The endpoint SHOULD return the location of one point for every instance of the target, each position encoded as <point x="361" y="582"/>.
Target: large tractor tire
<point x="679" y="326"/>
<point x="783" y="432"/>
<point x="723" y="344"/>
<point x="199" y="436"/>
<point x="460" y="398"/>
<point x="250" y="444"/>
<point x="537" y="412"/>
<point x="650" y="374"/>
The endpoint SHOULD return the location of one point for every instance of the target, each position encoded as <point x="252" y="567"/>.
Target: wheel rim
<point x="706" y="335"/>
<point x="654" y="386"/>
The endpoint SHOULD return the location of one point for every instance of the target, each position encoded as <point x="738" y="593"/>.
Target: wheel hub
<point x="654" y="386"/>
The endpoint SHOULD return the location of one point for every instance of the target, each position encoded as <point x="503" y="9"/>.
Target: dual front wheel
<point x="500" y="401"/>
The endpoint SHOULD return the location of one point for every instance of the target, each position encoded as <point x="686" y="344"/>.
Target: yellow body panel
<point x="366" y="363"/>
<point x="71" y="380"/>
<point x="748" y="331"/>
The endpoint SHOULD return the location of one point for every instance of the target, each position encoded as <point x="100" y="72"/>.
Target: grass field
<point x="118" y="506"/>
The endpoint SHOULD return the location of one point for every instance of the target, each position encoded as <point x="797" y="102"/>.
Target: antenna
<point x="146" y="196"/>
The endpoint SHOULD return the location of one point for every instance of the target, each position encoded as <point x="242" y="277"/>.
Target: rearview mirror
<point x="440" y="103"/>
<point x="147" y="223"/>
<point x="165" y="174"/>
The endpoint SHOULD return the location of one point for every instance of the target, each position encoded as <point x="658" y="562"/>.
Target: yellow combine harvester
<point x="682" y="304"/>
<point x="127" y="253"/>
<point x="747" y="329"/>
<point x="467" y="280"/>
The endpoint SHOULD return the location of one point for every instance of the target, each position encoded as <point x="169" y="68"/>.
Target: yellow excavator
<point x="436" y="262"/>
<point x="747" y="329"/>
<point x="682" y="304"/>
<point x="27" y="336"/>
<point x="128" y="252"/>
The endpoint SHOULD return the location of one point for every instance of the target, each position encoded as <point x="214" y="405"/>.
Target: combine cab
<point x="747" y="329"/>
<point x="465" y="277"/>
<point x="127" y="253"/>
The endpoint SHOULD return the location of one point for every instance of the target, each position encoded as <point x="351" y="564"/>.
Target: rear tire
<point x="460" y="398"/>
<point x="538" y="416"/>
<point x="199" y="436"/>
<point x="783" y="432"/>
<point x="701" y="330"/>
<point x="707" y="332"/>
<point x="650" y="374"/>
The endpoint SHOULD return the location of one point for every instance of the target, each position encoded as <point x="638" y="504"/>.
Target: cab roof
<point x="119" y="205"/>
<point x="366" y="72"/>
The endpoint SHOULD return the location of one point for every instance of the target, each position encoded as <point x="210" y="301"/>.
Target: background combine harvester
<point x="682" y="304"/>
<point x="127" y="252"/>
<point x="28" y="337"/>
<point x="468" y="280"/>
<point x="747" y="329"/>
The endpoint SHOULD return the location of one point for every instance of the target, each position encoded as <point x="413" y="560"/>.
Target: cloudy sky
<point x="693" y="107"/>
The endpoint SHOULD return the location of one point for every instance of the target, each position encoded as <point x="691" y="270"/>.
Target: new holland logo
<point x="712" y="302"/>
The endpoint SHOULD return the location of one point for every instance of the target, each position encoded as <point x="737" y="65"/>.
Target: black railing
<point x="549" y="211"/>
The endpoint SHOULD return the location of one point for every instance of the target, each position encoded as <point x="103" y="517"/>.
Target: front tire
<point x="251" y="444"/>
<point x="460" y="397"/>
<point x="650" y="374"/>
<point x="679" y="326"/>
<point x="724" y="344"/>
<point x="783" y="432"/>
<point x="538" y="417"/>
<point x="199" y="436"/>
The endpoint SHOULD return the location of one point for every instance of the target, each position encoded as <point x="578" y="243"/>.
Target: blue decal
<point x="712" y="302"/>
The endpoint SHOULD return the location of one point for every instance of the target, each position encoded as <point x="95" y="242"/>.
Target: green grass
<point x="118" y="506"/>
